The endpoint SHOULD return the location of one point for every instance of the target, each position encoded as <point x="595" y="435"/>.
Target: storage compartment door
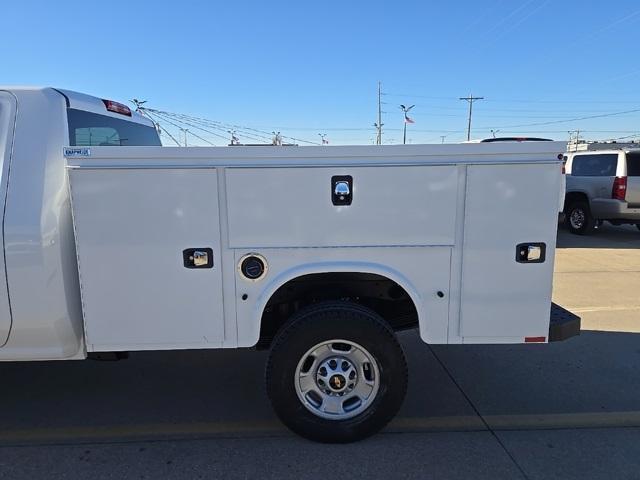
<point x="7" y="117"/>
<point x="508" y="205"/>
<point x="132" y="228"/>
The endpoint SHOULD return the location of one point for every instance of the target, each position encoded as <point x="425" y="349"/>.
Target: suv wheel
<point x="578" y="218"/>
<point x="336" y="373"/>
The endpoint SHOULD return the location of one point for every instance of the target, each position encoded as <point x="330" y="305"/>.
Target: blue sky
<point x="312" y="67"/>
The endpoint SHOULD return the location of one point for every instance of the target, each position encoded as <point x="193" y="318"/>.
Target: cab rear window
<point x="633" y="164"/>
<point x="88" y="129"/>
<point x="594" y="165"/>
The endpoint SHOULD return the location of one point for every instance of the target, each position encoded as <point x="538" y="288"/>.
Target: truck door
<point x="148" y="243"/>
<point x="7" y="118"/>
<point x="505" y="298"/>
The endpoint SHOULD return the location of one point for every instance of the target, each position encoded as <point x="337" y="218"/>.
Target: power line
<point x="513" y="100"/>
<point x="227" y="126"/>
<point x="219" y="126"/>
<point x="199" y="125"/>
<point x="163" y="129"/>
<point x="163" y="117"/>
<point x="553" y="122"/>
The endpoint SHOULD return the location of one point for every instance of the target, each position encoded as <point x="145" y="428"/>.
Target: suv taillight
<point x="619" y="188"/>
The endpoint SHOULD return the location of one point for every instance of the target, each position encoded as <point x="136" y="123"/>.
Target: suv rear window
<point x="595" y="165"/>
<point x="87" y="129"/>
<point x="633" y="164"/>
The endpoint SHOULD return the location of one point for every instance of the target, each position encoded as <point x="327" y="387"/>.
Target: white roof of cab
<point x="82" y="101"/>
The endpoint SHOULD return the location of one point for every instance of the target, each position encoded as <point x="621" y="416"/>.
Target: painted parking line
<point x="274" y="428"/>
<point x="565" y="420"/>
<point x="603" y="309"/>
<point x="142" y="431"/>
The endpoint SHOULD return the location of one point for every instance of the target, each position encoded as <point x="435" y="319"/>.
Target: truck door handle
<point x="342" y="189"/>
<point x="530" y="252"/>
<point x="198" y="257"/>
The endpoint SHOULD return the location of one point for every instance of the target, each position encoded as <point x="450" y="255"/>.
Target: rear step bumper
<point x="563" y="324"/>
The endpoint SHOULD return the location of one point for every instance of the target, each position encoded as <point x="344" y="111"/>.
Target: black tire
<point x="638" y="226"/>
<point x="579" y="210"/>
<point x="329" y="321"/>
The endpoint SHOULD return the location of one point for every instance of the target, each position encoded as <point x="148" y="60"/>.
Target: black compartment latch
<point x="531" y="252"/>
<point x="198" y="257"/>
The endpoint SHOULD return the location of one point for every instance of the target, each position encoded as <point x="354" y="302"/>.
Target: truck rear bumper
<point x="563" y="324"/>
<point x="605" y="209"/>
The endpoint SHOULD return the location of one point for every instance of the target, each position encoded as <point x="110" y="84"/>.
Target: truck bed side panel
<point x="292" y="207"/>
<point x="132" y="227"/>
<point x="508" y="205"/>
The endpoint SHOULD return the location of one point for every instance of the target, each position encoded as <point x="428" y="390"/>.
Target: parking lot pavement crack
<point x="480" y="416"/>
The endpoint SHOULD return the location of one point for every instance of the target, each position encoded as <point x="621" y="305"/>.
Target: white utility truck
<point x="112" y="243"/>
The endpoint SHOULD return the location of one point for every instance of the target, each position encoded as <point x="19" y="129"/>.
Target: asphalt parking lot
<point x="566" y="410"/>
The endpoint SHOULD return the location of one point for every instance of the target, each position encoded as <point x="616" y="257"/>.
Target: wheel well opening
<point x="574" y="197"/>
<point x="381" y="294"/>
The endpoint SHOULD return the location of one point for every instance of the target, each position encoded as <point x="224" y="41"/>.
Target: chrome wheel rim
<point x="337" y="379"/>
<point x="577" y="218"/>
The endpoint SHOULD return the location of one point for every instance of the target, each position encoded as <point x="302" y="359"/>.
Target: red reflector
<point x="534" y="339"/>
<point x="619" y="190"/>
<point x="117" y="107"/>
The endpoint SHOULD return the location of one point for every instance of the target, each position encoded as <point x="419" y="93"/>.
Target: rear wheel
<point x="578" y="218"/>
<point x="336" y="373"/>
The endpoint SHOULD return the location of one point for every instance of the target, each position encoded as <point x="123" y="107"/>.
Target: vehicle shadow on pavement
<point x="472" y="411"/>
<point x="606" y="236"/>
<point x="592" y="380"/>
<point x="205" y="393"/>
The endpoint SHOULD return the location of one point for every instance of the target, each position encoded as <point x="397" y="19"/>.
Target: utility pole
<point x="323" y="138"/>
<point x="573" y="141"/>
<point x="470" y="99"/>
<point x="379" y="124"/>
<point x="493" y="132"/>
<point x="442" y="137"/>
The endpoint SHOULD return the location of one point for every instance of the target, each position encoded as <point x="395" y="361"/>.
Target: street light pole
<point x="405" y="110"/>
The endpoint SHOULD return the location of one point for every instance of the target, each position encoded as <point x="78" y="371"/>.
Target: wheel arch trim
<point x="333" y="267"/>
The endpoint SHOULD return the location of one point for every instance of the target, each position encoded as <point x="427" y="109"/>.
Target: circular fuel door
<point x="252" y="267"/>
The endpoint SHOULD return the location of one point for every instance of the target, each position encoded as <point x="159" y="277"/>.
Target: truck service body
<point x="124" y="248"/>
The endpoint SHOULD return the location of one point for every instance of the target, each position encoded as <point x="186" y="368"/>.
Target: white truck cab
<point x="113" y="243"/>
